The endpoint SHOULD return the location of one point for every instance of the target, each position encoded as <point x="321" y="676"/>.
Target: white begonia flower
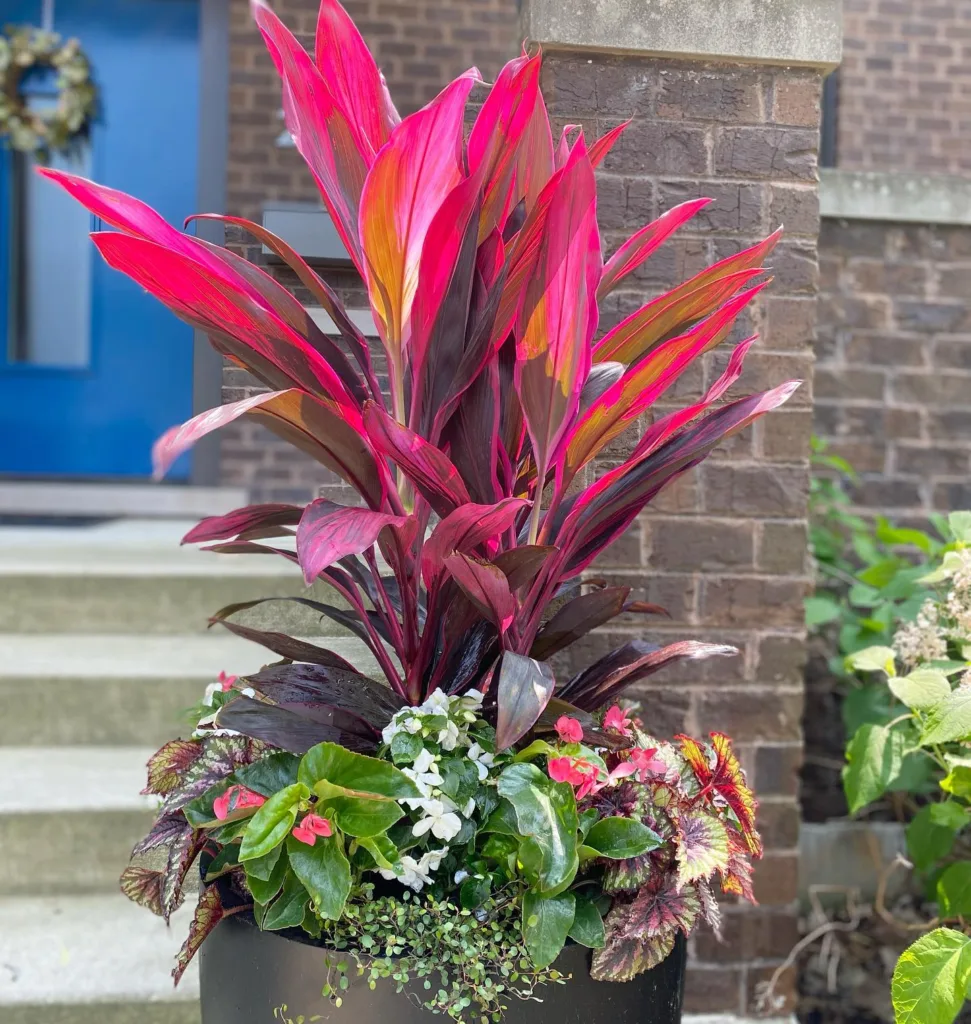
<point x="437" y="703"/>
<point x="211" y="690"/>
<point x="417" y="873"/>
<point x="461" y="876"/>
<point x="449" y="736"/>
<point x="412" y="725"/>
<point x="472" y="699"/>
<point x="482" y="759"/>
<point x="424" y="774"/>
<point x="443" y="823"/>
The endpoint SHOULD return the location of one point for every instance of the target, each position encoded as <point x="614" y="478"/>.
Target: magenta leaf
<point x="485" y="586"/>
<point x="232" y="524"/>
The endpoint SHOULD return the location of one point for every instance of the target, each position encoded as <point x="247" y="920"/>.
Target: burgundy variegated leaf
<point x="629" y="875"/>
<point x="242" y="520"/>
<point x="329" y="532"/>
<point x="710" y="910"/>
<point x="209" y="912"/>
<point x="465" y="529"/>
<point x="287" y="646"/>
<point x="486" y="586"/>
<point x="168" y="766"/>
<point x="143" y="885"/>
<point x="166" y="830"/>
<point x="525" y="688"/>
<point x="221" y="756"/>
<point x="427" y="467"/>
<point x="622" y="959"/>
<point x="605" y="679"/>
<point x="658" y="909"/>
<point x="321" y="130"/>
<point x="644" y="243"/>
<point x="702" y="846"/>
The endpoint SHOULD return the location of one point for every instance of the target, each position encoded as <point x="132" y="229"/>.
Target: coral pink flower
<point x="617" y="720"/>
<point x="313" y="825"/>
<point x="645" y="763"/>
<point x="226" y="682"/>
<point x="569" y="729"/>
<point x="579" y="773"/>
<point x="236" y="798"/>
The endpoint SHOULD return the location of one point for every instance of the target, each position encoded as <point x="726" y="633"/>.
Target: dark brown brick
<point x="769" y="491"/>
<point x="776" y="879"/>
<point x="760" y="152"/>
<point x="777" y="769"/>
<point x="714" y="989"/>
<point x="711" y="96"/>
<point x="665" y="147"/>
<point x="783" y="548"/>
<point x="795" y="99"/>
<point x="748" y="715"/>
<point x="735" y="207"/>
<point x="778" y="824"/>
<point x="746" y="936"/>
<point x="678" y="544"/>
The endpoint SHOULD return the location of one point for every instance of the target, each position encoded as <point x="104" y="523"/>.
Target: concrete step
<point x="69" y="817"/>
<point x="92" y="960"/>
<point x="121" y="690"/>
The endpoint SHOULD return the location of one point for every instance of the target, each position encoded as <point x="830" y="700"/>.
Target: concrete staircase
<point x="103" y="644"/>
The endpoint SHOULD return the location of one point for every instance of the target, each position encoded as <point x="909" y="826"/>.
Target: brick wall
<point x="724" y="550"/>
<point x="905" y="89"/>
<point x="893" y="369"/>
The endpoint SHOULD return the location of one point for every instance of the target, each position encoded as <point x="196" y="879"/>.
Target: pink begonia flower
<point x="236" y="798"/>
<point x="226" y="682"/>
<point x="568" y="729"/>
<point x="645" y="763"/>
<point x="617" y="720"/>
<point x="313" y="825"/>
<point x="579" y="773"/>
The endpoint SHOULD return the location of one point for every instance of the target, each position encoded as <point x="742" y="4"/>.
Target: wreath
<point x="63" y="126"/>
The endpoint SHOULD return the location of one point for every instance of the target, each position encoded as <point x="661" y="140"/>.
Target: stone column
<point x="724" y="101"/>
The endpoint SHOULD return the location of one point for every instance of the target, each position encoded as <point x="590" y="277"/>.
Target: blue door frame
<point x="159" y="135"/>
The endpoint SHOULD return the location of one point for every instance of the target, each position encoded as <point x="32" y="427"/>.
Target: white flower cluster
<point x="921" y="640"/>
<point x="440" y="815"/>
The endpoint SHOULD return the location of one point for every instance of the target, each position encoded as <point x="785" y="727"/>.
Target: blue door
<point x="92" y="369"/>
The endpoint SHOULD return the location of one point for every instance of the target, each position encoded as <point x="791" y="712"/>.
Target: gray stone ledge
<point x="903" y="198"/>
<point x="804" y="32"/>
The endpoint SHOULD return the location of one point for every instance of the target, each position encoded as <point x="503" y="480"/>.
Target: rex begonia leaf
<point x="702" y="846"/>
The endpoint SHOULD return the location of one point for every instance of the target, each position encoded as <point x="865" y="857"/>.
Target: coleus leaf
<point x="702" y="846"/>
<point x="329" y="532"/>
<point x="622" y="958"/>
<point x="525" y="687"/>
<point x="169" y="765"/>
<point x="723" y="775"/>
<point x="209" y="912"/>
<point x="220" y="757"/>
<point x="657" y="909"/>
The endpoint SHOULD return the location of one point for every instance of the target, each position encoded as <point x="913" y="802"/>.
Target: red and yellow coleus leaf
<point x="718" y="772"/>
<point x="702" y="846"/>
<point x="168" y="765"/>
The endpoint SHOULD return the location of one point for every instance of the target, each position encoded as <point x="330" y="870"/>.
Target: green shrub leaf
<point x="954" y="890"/>
<point x="359" y="816"/>
<point x="922" y="689"/>
<point x="287" y="911"/>
<point x="546" y="923"/>
<point x="873" y="659"/>
<point x="931" y="978"/>
<point x="874" y="757"/>
<point x="949" y="720"/>
<point x="621" y="838"/>
<point x="820" y="610"/>
<point x="931" y="834"/>
<point x="960" y="525"/>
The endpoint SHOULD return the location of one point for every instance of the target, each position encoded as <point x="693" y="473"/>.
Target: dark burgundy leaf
<point x="576" y="618"/>
<point x="525" y="687"/>
<point x="243" y="520"/>
<point x="281" y="727"/>
<point x="287" y="646"/>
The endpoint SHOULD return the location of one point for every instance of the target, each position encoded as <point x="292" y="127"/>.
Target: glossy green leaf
<point x="621" y="838"/>
<point x="269" y="774"/>
<point x="873" y="756"/>
<point x="546" y="924"/>
<point x="288" y="909"/>
<point x="359" y="816"/>
<point x="325" y="872"/>
<point x="588" y="924"/>
<point x="265" y="886"/>
<point x="406" y="746"/>
<point x="546" y="819"/>
<point x="384" y="852"/>
<point x="931" y="978"/>
<point x="502" y="820"/>
<point x="263" y="867"/>
<point x="475" y="891"/>
<point x="587" y="819"/>
<point x="353" y="774"/>
<point x="272" y="822"/>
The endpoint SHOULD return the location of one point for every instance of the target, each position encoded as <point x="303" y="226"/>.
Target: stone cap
<point x="898" y="197"/>
<point x="803" y="32"/>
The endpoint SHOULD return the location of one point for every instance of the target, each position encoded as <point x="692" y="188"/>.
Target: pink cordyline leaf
<point x="315" y="427"/>
<point x="329" y="532"/>
<point x="408" y="182"/>
<point x="602" y="146"/>
<point x="642" y="245"/>
<point x="465" y="529"/>
<point x="565" y="145"/>
<point x="358" y="87"/>
<point x="321" y="131"/>
<point x="559" y="315"/>
<point x="485" y="586"/>
<point x="241" y="520"/>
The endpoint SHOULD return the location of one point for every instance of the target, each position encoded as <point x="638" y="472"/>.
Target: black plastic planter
<point x="247" y="974"/>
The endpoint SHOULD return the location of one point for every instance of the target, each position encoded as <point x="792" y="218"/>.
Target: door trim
<point x="207" y="370"/>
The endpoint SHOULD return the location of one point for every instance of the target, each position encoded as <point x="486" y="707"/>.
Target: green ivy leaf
<point x="324" y="871"/>
<point x="931" y="978"/>
<point x="922" y="689"/>
<point x="546" y="819"/>
<point x="272" y="822"/>
<point x="288" y="910"/>
<point x="954" y="890"/>
<point x="588" y="925"/>
<point x="873" y="756"/>
<point x="873" y="659"/>
<point x="546" y="923"/>
<point x="330" y="769"/>
<point x="621" y="838"/>
<point x="949" y="720"/>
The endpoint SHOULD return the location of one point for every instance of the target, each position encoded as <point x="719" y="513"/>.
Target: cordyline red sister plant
<point x="461" y="569"/>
